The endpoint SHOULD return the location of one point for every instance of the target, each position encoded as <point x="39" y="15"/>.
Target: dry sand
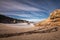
<point x="34" y="36"/>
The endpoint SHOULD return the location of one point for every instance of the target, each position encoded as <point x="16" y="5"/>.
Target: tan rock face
<point x="52" y="20"/>
<point x="55" y="14"/>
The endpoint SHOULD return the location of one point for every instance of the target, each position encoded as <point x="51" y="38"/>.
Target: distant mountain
<point x="5" y="19"/>
<point x="52" y="21"/>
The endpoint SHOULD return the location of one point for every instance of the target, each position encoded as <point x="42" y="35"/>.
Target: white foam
<point x="20" y="25"/>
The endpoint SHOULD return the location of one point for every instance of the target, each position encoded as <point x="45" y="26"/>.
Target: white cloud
<point x="12" y="5"/>
<point x="36" y="14"/>
<point x="34" y="20"/>
<point x="15" y="14"/>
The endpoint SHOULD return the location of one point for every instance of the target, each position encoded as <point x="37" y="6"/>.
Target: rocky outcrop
<point x="52" y="21"/>
<point x="5" y="19"/>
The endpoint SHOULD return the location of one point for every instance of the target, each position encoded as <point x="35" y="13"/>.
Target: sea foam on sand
<point x="20" y="25"/>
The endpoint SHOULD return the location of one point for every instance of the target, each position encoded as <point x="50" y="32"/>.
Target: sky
<point x="31" y="10"/>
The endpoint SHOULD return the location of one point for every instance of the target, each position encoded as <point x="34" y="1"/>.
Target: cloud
<point x="25" y="15"/>
<point x="35" y="20"/>
<point x="38" y="4"/>
<point x="27" y="9"/>
<point x="13" y="5"/>
<point x="17" y="14"/>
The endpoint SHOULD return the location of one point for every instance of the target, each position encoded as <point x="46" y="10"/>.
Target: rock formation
<point x="52" y="21"/>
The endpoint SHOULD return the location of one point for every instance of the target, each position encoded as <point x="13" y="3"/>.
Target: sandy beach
<point x="4" y="29"/>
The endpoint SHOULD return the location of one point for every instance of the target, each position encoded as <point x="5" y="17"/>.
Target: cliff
<point x="52" y="21"/>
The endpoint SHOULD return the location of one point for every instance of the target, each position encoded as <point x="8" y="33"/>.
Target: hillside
<point x="5" y="19"/>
